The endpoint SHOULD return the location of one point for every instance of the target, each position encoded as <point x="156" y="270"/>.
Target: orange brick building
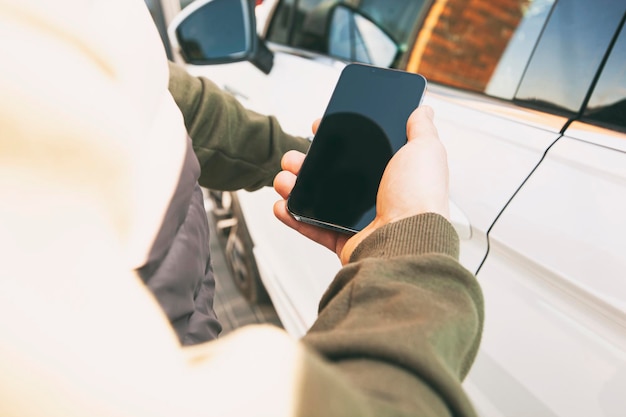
<point x="462" y="40"/>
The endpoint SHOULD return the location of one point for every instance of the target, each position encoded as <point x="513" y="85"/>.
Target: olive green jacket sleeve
<point x="398" y="328"/>
<point x="237" y="148"/>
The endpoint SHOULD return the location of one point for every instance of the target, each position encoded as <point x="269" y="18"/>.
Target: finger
<point x="292" y="161"/>
<point x="420" y="124"/>
<point x="316" y="125"/>
<point x="284" y="182"/>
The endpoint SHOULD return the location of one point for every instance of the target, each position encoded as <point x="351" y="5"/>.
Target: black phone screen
<point x="363" y="126"/>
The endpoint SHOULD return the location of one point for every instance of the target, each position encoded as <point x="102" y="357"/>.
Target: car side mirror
<point x="214" y="32"/>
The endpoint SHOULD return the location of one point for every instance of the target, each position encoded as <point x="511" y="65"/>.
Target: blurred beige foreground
<point x="69" y="131"/>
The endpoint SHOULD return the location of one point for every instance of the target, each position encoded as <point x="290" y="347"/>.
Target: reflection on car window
<point x="280" y="25"/>
<point x="308" y="26"/>
<point x="508" y="73"/>
<point x="481" y="45"/>
<point x="607" y="105"/>
<point x="185" y="3"/>
<point x="569" y="54"/>
<point x="396" y="17"/>
<point x="354" y="38"/>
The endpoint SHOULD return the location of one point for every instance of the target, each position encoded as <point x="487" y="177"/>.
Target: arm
<point x="399" y="326"/>
<point x="397" y="331"/>
<point x="237" y="148"/>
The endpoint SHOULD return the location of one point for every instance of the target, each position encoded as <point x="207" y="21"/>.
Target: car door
<point x="474" y="56"/>
<point x="554" y="341"/>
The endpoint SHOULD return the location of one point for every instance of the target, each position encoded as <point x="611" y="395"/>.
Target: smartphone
<point x="362" y="127"/>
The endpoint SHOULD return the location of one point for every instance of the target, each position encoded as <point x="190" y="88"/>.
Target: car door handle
<point x="460" y="222"/>
<point x="235" y="92"/>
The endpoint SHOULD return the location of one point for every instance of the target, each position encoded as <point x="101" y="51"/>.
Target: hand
<point x="414" y="182"/>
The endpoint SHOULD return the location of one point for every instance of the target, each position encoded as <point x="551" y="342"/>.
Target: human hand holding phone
<point x="363" y="125"/>
<point x="414" y="182"/>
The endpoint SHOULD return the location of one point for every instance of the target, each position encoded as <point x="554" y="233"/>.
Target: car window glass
<point x="607" y="105"/>
<point x="480" y="45"/>
<point x="355" y="38"/>
<point x="508" y="73"/>
<point x="569" y="54"/>
<point x="280" y="25"/>
<point x="308" y="26"/>
<point x="396" y="17"/>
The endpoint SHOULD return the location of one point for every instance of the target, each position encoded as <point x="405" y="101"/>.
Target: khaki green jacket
<point x="399" y="327"/>
<point x="218" y="124"/>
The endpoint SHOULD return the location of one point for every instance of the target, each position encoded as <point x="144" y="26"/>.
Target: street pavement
<point x="231" y="308"/>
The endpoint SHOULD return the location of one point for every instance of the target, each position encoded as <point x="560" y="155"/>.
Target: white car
<point x="530" y="102"/>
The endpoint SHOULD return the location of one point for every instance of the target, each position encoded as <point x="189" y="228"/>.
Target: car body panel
<point x="555" y="274"/>
<point x="480" y="143"/>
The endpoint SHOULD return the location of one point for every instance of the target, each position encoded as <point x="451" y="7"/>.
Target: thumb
<point x="420" y="124"/>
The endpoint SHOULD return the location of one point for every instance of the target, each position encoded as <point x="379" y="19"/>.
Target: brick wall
<point x="468" y="40"/>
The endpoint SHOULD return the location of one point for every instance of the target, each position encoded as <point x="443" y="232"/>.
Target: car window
<point x="353" y="37"/>
<point x="607" y="105"/>
<point x="480" y="45"/>
<point x="396" y="17"/>
<point x="304" y="24"/>
<point x="569" y="54"/>
<point x="280" y="26"/>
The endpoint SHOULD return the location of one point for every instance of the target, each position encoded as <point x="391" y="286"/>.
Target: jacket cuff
<point x="423" y="233"/>
<point x="287" y="143"/>
<point x="296" y="143"/>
